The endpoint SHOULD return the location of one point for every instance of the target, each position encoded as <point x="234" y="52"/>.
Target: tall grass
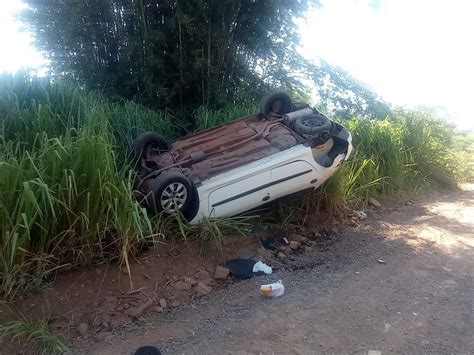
<point x="206" y="118"/>
<point x="409" y="151"/>
<point x="65" y="192"/>
<point x="37" y="334"/>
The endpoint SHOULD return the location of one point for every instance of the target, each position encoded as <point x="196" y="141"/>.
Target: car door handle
<point x="266" y="198"/>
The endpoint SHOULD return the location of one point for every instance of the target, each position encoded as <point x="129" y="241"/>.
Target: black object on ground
<point x="268" y="243"/>
<point x="243" y="268"/>
<point x="148" y="350"/>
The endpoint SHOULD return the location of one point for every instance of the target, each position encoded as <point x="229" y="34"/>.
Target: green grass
<point x="65" y="194"/>
<point x="210" y="231"/>
<point x="209" y="118"/>
<point x="36" y="334"/>
<point x="408" y="151"/>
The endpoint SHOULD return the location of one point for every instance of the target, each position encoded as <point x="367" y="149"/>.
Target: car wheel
<point x="312" y="125"/>
<point x="146" y="141"/>
<point x="172" y="192"/>
<point x="276" y="102"/>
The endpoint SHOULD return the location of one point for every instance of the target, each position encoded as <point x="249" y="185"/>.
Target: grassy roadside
<point x="408" y="151"/>
<point x="65" y="195"/>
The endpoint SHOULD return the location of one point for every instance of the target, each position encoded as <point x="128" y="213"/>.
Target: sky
<point x="16" y="50"/>
<point x="411" y="52"/>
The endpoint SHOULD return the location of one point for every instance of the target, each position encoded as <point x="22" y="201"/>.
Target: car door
<point x="241" y="195"/>
<point x="290" y="178"/>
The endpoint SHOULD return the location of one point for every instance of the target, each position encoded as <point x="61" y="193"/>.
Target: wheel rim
<point x="173" y="197"/>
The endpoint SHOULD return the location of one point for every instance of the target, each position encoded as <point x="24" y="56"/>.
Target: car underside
<point x="198" y="165"/>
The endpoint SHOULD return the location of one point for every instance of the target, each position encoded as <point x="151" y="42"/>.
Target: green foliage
<point x="464" y="146"/>
<point x="37" y="334"/>
<point x="181" y="55"/>
<point x="65" y="194"/>
<point x="64" y="187"/>
<point x="171" y="54"/>
<point x="409" y="152"/>
<point x="206" y="118"/>
<point x="209" y="231"/>
<point x="344" y="95"/>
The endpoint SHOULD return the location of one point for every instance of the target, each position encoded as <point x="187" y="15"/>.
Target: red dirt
<point x="102" y="296"/>
<point x="399" y="281"/>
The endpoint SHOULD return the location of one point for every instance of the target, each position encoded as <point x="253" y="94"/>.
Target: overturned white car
<point x="283" y="151"/>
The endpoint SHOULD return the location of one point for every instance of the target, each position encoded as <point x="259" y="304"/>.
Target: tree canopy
<point x="180" y="54"/>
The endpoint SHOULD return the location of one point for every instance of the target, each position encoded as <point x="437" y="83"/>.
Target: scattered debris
<point x="381" y="261"/>
<point x="138" y="311"/>
<point x="264" y="253"/>
<point x="373" y="202"/>
<point x="299" y="238"/>
<point x="286" y="250"/>
<point x="202" y="289"/>
<point x="352" y="222"/>
<point x="410" y="203"/>
<point x="182" y="285"/>
<point x="285" y="241"/>
<point x="202" y="275"/>
<point x="221" y="273"/>
<point x="102" y="335"/>
<point x="163" y="303"/>
<point x="190" y="281"/>
<point x="83" y="328"/>
<point x="259" y="266"/>
<point x="148" y="350"/>
<point x="311" y="243"/>
<point x="247" y="268"/>
<point x="268" y="243"/>
<point x="120" y="320"/>
<point x="361" y="215"/>
<point x="176" y="303"/>
<point x="295" y="245"/>
<point x="272" y="290"/>
<point x="105" y="325"/>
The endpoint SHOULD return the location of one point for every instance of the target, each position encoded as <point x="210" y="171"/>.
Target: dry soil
<point x="401" y="282"/>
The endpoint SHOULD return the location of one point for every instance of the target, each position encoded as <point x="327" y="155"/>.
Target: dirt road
<point x="402" y="283"/>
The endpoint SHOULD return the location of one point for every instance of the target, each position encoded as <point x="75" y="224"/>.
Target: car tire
<point x="269" y="99"/>
<point x="145" y="141"/>
<point x="312" y="125"/>
<point x="171" y="192"/>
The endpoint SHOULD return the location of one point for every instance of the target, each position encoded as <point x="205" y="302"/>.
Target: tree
<point x="180" y="54"/>
<point x="169" y="53"/>
<point x="344" y="95"/>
